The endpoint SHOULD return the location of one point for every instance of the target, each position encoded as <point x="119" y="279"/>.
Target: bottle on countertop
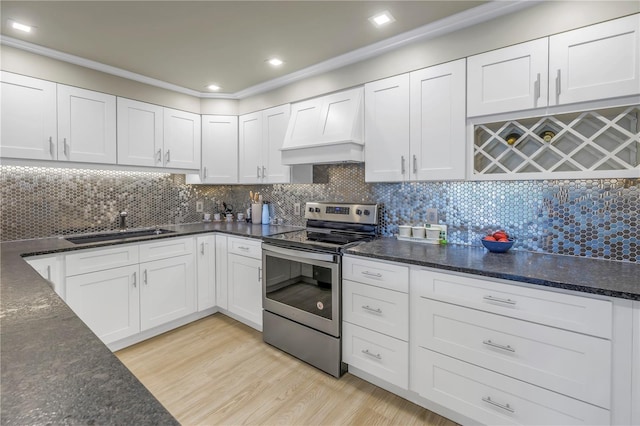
<point x="265" y="214"/>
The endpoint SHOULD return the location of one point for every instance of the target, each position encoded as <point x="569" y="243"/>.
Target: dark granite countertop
<point x="604" y="277"/>
<point x="54" y="370"/>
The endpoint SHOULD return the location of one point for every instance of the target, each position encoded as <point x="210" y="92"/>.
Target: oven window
<point x="300" y="285"/>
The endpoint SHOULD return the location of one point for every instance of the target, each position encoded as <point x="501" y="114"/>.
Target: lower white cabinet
<point x="244" y="288"/>
<point x="206" y="267"/>
<point x="491" y="398"/>
<point x="108" y="301"/>
<point x="168" y="290"/>
<point x="635" y="364"/>
<point x="50" y="267"/>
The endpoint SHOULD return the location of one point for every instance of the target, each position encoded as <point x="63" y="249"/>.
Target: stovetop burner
<point x="332" y="227"/>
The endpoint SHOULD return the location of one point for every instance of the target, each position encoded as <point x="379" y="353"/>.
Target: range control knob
<point x="358" y="212"/>
<point x="367" y="212"/>
<point x="317" y="209"/>
<point x="310" y="209"/>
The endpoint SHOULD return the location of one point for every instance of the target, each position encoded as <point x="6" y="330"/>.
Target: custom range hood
<point x="326" y="130"/>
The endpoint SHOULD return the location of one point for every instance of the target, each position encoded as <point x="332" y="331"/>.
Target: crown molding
<point x="447" y="25"/>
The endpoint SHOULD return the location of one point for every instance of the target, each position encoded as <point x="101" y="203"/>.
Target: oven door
<point x="303" y="286"/>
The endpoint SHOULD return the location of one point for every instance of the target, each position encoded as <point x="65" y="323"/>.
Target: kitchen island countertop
<point x="595" y="276"/>
<point x="54" y="369"/>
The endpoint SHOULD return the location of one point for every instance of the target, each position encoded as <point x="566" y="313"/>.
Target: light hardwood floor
<point x="218" y="371"/>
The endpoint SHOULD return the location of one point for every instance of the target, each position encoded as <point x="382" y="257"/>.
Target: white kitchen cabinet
<point x="635" y="365"/>
<point x="108" y="301"/>
<point x="29" y="126"/>
<point x="513" y="78"/>
<point x="387" y="135"/>
<point x="222" y="275"/>
<point x="182" y="139"/>
<point x="50" y="267"/>
<point x="244" y="290"/>
<point x="596" y="62"/>
<point x="206" y="267"/>
<point x="376" y="319"/>
<point x="140" y="133"/>
<point x="219" y="149"/>
<point x="261" y="135"/>
<point x="414" y="125"/>
<point x="86" y="126"/>
<point x="168" y="290"/>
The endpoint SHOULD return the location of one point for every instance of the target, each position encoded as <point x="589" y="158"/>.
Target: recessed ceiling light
<point x="20" y="27"/>
<point x="381" y="19"/>
<point x="275" y="62"/>
<point x="213" y="87"/>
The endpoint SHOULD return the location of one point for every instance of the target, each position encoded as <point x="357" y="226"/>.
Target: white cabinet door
<point x="221" y="271"/>
<point x="50" y="268"/>
<point x="250" y="147"/>
<point x="140" y="133"/>
<point x="274" y="128"/>
<point x="386" y="121"/>
<point x="29" y="128"/>
<point x="206" y="264"/>
<point x="245" y="288"/>
<point x="510" y="79"/>
<point x="107" y="301"/>
<point x="168" y="290"/>
<point x="596" y="62"/>
<point x="438" y="122"/>
<point x="182" y="139"/>
<point x="219" y="149"/>
<point x="86" y="126"/>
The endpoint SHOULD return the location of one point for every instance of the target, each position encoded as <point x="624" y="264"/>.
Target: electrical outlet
<point x="296" y="209"/>
<point x="199" y="206"/>
<point x="432" y="216"/>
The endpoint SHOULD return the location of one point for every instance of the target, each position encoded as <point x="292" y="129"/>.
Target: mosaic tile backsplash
<point x="591" y="218"/>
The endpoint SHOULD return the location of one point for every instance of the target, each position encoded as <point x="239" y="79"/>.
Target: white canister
<point x="256" y="213"/>
<point x="433" y="234"/>
<point x="418" y="231"/>
<point x="404" y="231"/>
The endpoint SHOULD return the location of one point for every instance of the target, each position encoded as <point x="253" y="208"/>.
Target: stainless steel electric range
<point x="301" y="290"/>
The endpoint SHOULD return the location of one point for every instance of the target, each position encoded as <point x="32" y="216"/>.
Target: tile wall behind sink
<point x="593" y="218"/>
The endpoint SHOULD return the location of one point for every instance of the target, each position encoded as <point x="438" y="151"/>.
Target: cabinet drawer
<point x="377" y="354"/>
<point x="571" y="312"/>
<point x="379" y="274"/>
<point x="491" y="398"/>
<point x="165" y="248"/>
<point x="245" y="247"/>
<point x="375" y="308"/>
<point x="570" y="363"/>
<point x="85" y="261"/>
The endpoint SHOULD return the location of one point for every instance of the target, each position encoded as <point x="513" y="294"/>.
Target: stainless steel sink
<point x="108" y="236"/>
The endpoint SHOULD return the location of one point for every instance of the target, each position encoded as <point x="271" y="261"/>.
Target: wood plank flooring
<point x="218" y="371"/>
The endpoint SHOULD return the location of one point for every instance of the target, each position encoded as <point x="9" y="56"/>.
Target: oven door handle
<point x="300" y="254"/>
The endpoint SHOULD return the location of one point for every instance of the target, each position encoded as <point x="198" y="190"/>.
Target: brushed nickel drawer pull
<point x="415" y="164"/>
<point x="506" y="407"/>
<point x="159" y="155"/>
<point x="499" y="299"/>
<point x="376" y="356"/>
<point x="145" y="277"/>
<point x="201" y="248"/>
<point x="259" y="274"/>
<point x="264" y="172"/>
<point x="135" y="284"/>
<point x="205" y="173"/>
<point x="496" y="345"/>
<point x="167" y="156"/>
<point x="243" y="248"/>
<point x="258" y="172"/>
<point x="402" y="170"/>
<point x="65" y="147"/>
<point x="370" y="309"/>
<point x="372" y="274"/>
<point x="52" y="147"/>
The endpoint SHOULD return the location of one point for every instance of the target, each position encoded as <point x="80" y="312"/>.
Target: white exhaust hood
<point x="326" y="130"/>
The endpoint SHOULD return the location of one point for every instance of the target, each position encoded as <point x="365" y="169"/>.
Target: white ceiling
<point x="192" y="44"/>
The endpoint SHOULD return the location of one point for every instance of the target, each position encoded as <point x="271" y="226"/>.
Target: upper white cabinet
<point x="509" y="79"/>
<point x="140" y="133"/>
<point x="45" y="121"/>
<point x="182" y="136"/>
<point x="219" y="149"/>
<point x="414" y="125"/>
<point x="596" y="62"/>
<point x="86" y="126"/>
<point x="29" y="127"/>
<point x="261" y="135"/>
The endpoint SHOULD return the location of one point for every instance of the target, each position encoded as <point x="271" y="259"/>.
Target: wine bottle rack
<point x="591" y="144"/>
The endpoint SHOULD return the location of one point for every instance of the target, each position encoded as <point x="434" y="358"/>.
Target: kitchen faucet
<point x="123" y="220"/>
